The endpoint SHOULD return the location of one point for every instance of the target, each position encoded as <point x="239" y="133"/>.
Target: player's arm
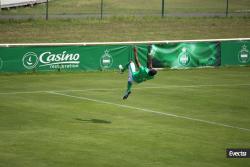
<point x="138" y="64"/>
<point x="149" y="57"/>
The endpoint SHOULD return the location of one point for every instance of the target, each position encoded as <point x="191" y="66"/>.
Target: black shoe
<point x="122" y="71"/>
<point x="126" y="95"/>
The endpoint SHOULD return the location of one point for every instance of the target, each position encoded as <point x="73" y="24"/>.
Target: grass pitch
<point x="79" y="119"/>
<point x="118" y="29"/>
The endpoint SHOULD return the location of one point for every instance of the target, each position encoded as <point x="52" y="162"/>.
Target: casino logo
<point x="30" y="60"/>
<point x="184" y="57"/>
<point x="106" y="60"/>
<point x="51" y="60"/>
<point x="244" y="54"/>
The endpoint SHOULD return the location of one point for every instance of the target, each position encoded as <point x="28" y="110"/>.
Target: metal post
<point x="227" y="9"/>
<point x="47" y="10"/>
<point x="162" y="8"/>
<point x="101" y="8"/>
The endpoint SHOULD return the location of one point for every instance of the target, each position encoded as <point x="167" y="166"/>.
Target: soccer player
<point x="141" y="74"/>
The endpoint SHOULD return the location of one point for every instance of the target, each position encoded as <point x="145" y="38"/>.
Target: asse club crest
<point x="106" y="60"/>
<point x="244" y="54"/>
<point x="184" y="57"/>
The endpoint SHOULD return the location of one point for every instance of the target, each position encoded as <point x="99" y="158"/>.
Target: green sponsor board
<point x="67" y="58"/>
<point x="235" y="53"/>
<point x="108" y="57"/>
<point x="183" y="55"/>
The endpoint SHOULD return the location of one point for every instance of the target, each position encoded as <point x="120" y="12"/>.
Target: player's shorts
<point x="131" y="70"/>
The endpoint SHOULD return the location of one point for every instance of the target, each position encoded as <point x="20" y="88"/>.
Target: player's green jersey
<point x="141" y="75"/>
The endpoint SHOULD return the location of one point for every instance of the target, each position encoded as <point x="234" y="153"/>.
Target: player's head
<point x="152" y="72"/>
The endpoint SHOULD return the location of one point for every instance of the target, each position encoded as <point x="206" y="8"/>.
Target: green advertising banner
<point x="66" y="58"/>
<point x="108" y="57"/>
<point x="184" y="55"/>
<point x="235" y="53"/>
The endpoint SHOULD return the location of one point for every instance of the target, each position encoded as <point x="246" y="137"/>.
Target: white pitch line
<point x="23" y="92"/>
<point x="194" y="86"/>
<point x="138" y="88"/>
<point x="150" y="111"/>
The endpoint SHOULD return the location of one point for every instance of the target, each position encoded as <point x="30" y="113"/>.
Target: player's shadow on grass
<point x="96" y="121"/>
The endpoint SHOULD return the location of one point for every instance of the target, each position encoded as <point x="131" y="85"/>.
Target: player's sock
<point x="129" y="86"/>
<point x="128" y="92"/>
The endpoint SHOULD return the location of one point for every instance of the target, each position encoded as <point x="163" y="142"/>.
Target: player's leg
<point x="150" y="57"/>
<point x="128" y="91"/>
<point x="131" y="70"/>
<point x="152" y="71"/>
<point x="123" y="68"/>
